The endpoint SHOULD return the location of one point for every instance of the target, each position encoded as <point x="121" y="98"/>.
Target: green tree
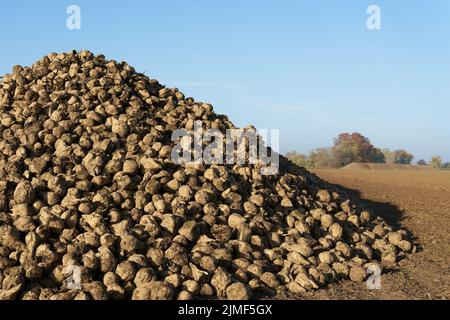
<point x="298" y="158"/>
<point x="378" y="156"/>
<point x="436" y="162"/>
<point x="402" y="157"/>
<point x="322" y="158"/>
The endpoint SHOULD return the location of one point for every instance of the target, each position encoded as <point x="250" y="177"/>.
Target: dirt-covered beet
<point x="92" y="206"/>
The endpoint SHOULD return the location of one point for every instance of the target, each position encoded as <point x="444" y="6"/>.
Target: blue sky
<point x="310" y="68"/>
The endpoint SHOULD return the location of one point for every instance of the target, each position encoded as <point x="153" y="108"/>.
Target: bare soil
<point x="416" y="200"/>
<point x="385" y="166"/>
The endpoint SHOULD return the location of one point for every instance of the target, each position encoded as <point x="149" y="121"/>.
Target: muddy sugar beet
<point x="92" y="206"/>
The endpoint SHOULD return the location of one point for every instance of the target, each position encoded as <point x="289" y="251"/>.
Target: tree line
<point x="355" y="147"/>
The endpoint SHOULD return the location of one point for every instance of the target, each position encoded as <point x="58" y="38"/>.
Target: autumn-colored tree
<point x="402" y="157"/>
<point x="348" y="148"/>
<point x="354" y="147"/>
<point x="436" y="162"/>
<point x="421" y="162"/>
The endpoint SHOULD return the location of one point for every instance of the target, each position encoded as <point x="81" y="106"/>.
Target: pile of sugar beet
<point x="88" y="191"/>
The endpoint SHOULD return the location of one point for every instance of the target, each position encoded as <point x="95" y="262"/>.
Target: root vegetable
<point x="89" y="185"/>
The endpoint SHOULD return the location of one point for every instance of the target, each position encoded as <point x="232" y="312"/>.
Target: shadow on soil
<point x="389" y="212"/>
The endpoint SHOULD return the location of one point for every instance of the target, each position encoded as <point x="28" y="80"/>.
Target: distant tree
<point x="389" y="156"/>
<point x="348" y="148"/>
<point x="446" y="165"/>
<point x="421" y="162"/>
<point x="353" y="147"/>
<point x="402" y="157"/>
<point x="298" y="158"/>
<point x="378" y="156"/>
<point x="322" y="158"/>
<point x="436" y="162"/>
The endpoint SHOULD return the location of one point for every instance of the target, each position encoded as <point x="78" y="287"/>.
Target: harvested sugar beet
<point x="92" y="206"/>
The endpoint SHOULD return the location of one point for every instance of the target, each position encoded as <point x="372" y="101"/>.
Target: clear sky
<point x="310" y="68"/>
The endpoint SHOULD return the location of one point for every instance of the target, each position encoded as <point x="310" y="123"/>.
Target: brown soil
<point x="418" y="201"/>
<point x="384" y="166"/>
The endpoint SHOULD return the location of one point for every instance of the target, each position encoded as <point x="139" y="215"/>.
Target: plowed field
<point x="418" y="201"/>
